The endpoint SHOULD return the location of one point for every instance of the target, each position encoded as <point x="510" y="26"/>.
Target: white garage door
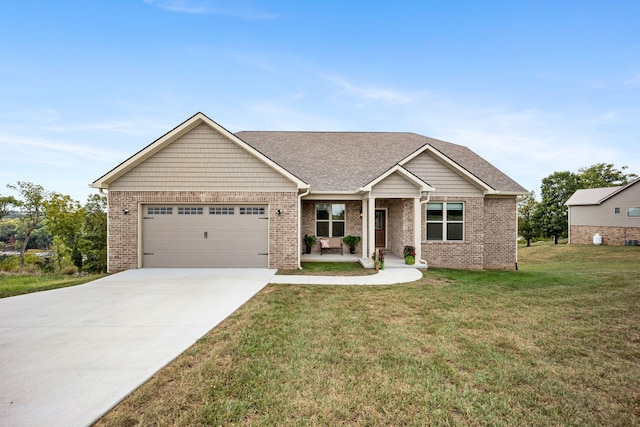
<point x="210" y="236"/>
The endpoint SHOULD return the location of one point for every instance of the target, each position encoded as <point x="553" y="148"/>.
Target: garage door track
<point x="68" y="355"/>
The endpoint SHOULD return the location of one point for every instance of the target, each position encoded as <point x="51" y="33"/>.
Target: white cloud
<point x="45" y="146"/>
<point x="241" y="9"/>
<point x="369" y="94"/>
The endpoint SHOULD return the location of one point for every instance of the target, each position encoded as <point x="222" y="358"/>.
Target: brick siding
<point x="489" y="236"/>
<point x="124" y="241"/>
<point x="614" y="236"/>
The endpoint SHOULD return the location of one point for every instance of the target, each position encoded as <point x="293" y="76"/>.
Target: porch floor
<point x="390" y="261"/>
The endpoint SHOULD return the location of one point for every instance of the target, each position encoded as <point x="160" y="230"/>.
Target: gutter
<point x="300" y="196"/>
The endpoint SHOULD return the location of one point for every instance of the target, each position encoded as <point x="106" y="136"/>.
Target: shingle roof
<point x="595" y="196"/>
<point x="346" y="161"/>
<point x="590" y="196"/>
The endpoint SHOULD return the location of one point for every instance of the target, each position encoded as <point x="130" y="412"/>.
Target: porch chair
<point x="327" y="243"/>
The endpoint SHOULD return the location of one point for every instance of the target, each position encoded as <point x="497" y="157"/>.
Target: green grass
<point x="556" y="343"/>
<point x="18" y="284"/>
<point x="332" y="268"/>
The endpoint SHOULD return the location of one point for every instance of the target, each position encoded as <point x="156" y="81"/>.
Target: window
<point x="159" y="210"/>
<point x="185" y="210"/>
<point x="445" y="221"/>
<point x="616" y="211"/>
<point x="330" y="219"/>
<point x="220" y="210"/>
<point x="634" y="212"/>
<point x="252" y="211"/>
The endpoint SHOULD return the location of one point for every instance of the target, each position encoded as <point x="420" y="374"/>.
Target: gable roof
<point x="348" y="161"/>
<point x="596" y="196"/>
<point x="174" y="134"/>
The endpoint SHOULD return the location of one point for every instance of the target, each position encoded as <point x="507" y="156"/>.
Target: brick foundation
<point x="614" y="236"/>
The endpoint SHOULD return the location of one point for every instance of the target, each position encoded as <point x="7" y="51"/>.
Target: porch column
<point x="365" y="233"/>
<point x="417" y="228"/>
<point x="371" y="227"/>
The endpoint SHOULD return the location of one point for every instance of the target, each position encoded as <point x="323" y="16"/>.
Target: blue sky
<point x="532" y="86"/>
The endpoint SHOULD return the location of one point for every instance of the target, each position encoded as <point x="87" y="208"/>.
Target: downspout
<point x="422" y="202"/>
<point x="300" y="196"/>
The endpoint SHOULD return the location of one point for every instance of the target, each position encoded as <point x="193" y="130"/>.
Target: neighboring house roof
<point x="596" y="196"/>
<point x="347" y="161"/>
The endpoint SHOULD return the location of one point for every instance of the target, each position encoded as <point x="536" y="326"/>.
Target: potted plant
<point x="409" y="255"/>
<point x="380" y="260"/>
<point x="309" y="241"/>
<point x="352" y="241"/>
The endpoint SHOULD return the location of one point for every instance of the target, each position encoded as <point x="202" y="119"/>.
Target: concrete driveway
<point x="68" y="355"/>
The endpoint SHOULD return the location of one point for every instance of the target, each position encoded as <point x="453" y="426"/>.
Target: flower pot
<point x="410" y="260"/>
<point x="308" y="249"/>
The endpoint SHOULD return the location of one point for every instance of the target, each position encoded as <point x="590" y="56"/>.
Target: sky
<point x="534" y="87"/>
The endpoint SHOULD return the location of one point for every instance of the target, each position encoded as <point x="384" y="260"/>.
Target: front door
<point x="381" y="228"/>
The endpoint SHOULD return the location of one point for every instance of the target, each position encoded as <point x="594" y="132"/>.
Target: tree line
<point x="548" y="217"/>
<point x="35" y="218"/>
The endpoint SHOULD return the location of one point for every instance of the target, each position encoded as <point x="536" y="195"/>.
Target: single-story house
<point x="201" y="196"/>
<point x="611" y="212"/>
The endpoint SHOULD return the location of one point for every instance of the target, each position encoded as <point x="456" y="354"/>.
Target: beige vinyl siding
<point x="395" y="186"/>
<point x="203" y="160"/>
<point x="604" y="214"/>
<point x="446" y="181"/>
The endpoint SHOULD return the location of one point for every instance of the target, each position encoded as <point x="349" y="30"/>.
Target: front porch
<point x="390" y="261"/>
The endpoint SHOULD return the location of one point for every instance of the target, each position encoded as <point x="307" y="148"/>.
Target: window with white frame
<point x="330" y="219"/>
<point x="445" y="221"/>
<point x="633" y="212"/>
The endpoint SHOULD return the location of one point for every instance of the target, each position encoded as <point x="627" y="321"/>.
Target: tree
<point x="31" y="204"/>
<point x="94" y="236"/>
<point x="527" y="227"/>
<point x="551" y="214"/>
<point x="604" y="175"/>
<point x="65" y="218"/>
<point x="5" y="202"/>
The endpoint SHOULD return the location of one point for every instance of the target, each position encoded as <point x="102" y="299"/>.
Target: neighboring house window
<point x="445" y="221"/>
<point x="330" y="219"/>
<point x="635" y="212"/>
<point x="616" y="211"/>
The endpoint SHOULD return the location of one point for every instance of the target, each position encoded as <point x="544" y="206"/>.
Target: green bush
<point x="9" y="263"/>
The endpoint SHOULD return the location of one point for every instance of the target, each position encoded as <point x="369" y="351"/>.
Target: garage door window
<point x="160" y="210"/>
<point x="185" y="210"/>
<point x="252" y="211"/>
<point x="222" y="211"/>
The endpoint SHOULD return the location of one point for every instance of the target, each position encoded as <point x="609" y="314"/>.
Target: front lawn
<point x="18" y="284"/>
<point x="556" y="343"/>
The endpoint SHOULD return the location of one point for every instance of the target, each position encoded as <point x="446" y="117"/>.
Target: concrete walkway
<point x="383" y="277"/>
<point x="69" y="355"/>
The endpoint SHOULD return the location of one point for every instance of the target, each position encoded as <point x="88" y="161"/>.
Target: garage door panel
<point x="205" y="240"/>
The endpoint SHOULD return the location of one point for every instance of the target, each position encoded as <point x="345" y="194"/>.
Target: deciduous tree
<point x="527" y="227"/>
<point x="65" y="219"/>
<point x="551" y="214"/>
<point x="604" y="175"/>
<point x="31" y="203"/>
<point x="94" y="236"/>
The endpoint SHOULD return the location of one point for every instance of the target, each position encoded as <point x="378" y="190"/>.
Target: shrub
<point x="70" y="270"/>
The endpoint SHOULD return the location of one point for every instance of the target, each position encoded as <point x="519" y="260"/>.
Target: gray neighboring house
<point x="201" y="196"/>
<point x="611" y="212"/>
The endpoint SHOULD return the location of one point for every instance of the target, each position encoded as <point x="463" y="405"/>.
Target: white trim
<point x="173" y="135"/>
<point x="405" y="174"/>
